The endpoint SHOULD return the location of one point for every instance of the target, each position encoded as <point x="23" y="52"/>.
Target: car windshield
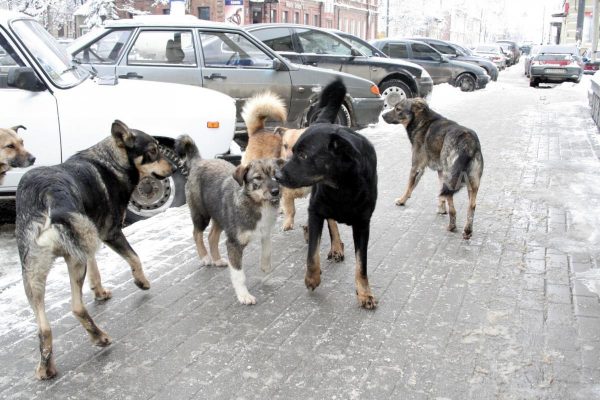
<point x="487" y="49"/>
<point x="362" y="47"/>
<point x="554" y="57"/>
<point x="50" y="56"/>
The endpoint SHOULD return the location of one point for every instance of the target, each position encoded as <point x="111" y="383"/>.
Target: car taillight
<point x="375" y="90"/>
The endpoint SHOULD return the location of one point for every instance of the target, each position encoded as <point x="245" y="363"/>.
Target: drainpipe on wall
<point x="580" y="17"/>
<point x="595" y="31"/>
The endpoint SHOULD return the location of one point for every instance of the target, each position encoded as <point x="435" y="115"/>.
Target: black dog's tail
<point x="331" y="101"/>
<point x="186" y="149"/>
<point x="67" y="230"/>
<point x="453" y="183"/>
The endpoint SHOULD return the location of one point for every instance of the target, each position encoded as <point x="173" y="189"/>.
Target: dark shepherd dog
<point x="341" y="166"/>
<point x="65" y="210"/>
<point x="444" y="146"/>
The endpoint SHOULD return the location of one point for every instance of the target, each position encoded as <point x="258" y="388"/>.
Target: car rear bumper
<point x="366" y="111"/>
<point x="542" y="75"/>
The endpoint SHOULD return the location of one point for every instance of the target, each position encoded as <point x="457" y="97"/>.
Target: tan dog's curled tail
<point x="186" y="149"/>
<point x="260" y="107"/>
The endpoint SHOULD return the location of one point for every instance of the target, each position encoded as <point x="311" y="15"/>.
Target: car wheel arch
<point x="410" y="82"/>
<point x="465" y="74"/>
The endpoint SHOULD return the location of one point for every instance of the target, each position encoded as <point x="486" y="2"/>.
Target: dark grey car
<point x="221" y="57"/>
<point x="309" y="45"/>
<point x="457" y="53"/>
<point x="466" y="76"/>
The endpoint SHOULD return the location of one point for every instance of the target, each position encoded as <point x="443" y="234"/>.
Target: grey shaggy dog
<point x="444" y="146"/>
<point x="241" y="201"/>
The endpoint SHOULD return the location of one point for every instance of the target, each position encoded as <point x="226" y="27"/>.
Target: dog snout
<point x="278" y="176"/>
<point x="275" y="192"/>
<point x="31" y="159"/>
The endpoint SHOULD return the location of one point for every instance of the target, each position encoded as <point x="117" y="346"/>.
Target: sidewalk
<point x="511" y="314"/>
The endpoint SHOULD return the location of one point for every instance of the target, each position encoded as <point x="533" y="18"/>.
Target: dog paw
<point x="206" y="261"/>
<point x="451" y="228"/>
<point x="336" y="254"/>
<point x="266" y="268"/>
<point x="101" y="339"/>
<point x="102" y="295"/>
<point x="366" y="300"/>
<point x="442" y="210"/>
<point x="287" y="226"/>
<point x="142" y="283"/>
<point x="312" y="280"/>
<point x="45" y="372"/>
<point x="221" y="262"/>
<point x="246" y="298"/>
<point x="467" y="235"/>
<point x="400" y="201"/>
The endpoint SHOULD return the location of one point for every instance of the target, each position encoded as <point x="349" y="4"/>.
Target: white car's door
<point x="37" y="111"/>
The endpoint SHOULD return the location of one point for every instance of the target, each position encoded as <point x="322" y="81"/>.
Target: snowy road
<point x="513" y="313"/>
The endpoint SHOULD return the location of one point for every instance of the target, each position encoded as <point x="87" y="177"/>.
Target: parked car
<point x="466" y="76"/>
<point x="493" y="52"/>
<point x="65" y="111"/>
<point x="554" y="68"/>
<point x="591" y="66"/>
<point x="309" y="45"/>
<point x="563" y="49"/>
<point x="513" y="48"/>
<point x="532" y="53"/>
<point x="223" y="57"/>
<point x="456" y="52"/>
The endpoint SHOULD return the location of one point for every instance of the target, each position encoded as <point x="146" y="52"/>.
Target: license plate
<point x="556" y="71"/>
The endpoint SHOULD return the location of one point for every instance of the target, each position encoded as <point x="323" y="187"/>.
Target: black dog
<point x="444" y="146"/>
<point x="65" y="210"/>
<point x="341" y="166"/>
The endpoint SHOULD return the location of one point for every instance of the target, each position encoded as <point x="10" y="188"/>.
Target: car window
<point x="106" y="50"/>
<point x="231" y="49"/>
<point x="163" y="47"/>
<point x="396" y="50"/>
<point x="363" y="48"/>
<point x="424" y="52"/>
<point x="279" y="39"/>
<point x="321" y="43"/>
<point x="444" y="48"/>
<point x="8" y="61"/>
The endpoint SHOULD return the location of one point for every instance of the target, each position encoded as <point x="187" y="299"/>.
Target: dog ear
<point x="240" y="174"/>
<point x="418" y="104"/>
<point x="279" y="163"/>
<point x="122" y="135"/>
<point x="280" y="130"/>
<point x="339" y="145"/>
<point x="16" y="128"/>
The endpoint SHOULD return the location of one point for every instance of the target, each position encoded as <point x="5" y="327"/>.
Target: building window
<point x="166" y="11"/>
<point x="296" y="17"/>
<point x="284" y="17"/>
<point x="315" y="20"/>
<point x="329" y="24"/>
<point x="306" y="16"/>
<point x="204" y="13"/>
<point x="273" y="16"/>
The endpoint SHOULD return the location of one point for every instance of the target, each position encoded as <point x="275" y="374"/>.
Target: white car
<point x="65" y="110"/>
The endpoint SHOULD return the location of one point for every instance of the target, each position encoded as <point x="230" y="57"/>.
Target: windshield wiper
<point x="71" y="68"/>
<point x="93" y="72"/>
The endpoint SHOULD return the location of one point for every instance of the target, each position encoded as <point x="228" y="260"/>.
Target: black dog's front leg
<point x="360" y="232"/>
<point x="121" y="246"/>
<point x="313" y="262"/>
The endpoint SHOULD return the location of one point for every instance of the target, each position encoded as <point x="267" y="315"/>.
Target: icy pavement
<point x="511" y="314"/>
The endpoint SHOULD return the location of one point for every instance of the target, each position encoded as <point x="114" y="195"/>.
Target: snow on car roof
<point x="166" y="20"/>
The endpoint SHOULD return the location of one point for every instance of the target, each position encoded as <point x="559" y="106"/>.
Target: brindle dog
<point x="241" y="201"/>
<point x="444" y="146"/>
<point x="12" y="151"/>
<point x="65" y="210"/>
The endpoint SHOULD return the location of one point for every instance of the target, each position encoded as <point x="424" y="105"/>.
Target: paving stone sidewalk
<point x="511" y="314"/>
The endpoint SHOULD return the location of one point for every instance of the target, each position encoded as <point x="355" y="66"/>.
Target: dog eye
<point x="10" y="146"/>
<point x="285" y="146"/>
<point x="153" y="152"/>
<point x="302" y="156"/>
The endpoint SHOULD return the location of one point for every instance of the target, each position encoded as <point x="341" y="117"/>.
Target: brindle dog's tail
<point x="66" y="230"/>
<point x="331" y="101"/>
<point x="187" y="150"/>
<point x="459" y="168"/>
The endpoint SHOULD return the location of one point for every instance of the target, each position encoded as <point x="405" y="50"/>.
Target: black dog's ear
<point x="280" y="130"/>
<point x="341" y="146"/>
<point x="122" y="135"/>
<point x="240" y="174"/>
<point x="16" y="128"/>
<point x="279" y="163"/>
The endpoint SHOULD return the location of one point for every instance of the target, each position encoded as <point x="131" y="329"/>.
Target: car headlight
<point x="425" y="74"/>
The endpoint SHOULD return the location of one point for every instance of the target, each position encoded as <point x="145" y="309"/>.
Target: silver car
<point x="184" y="49"/>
